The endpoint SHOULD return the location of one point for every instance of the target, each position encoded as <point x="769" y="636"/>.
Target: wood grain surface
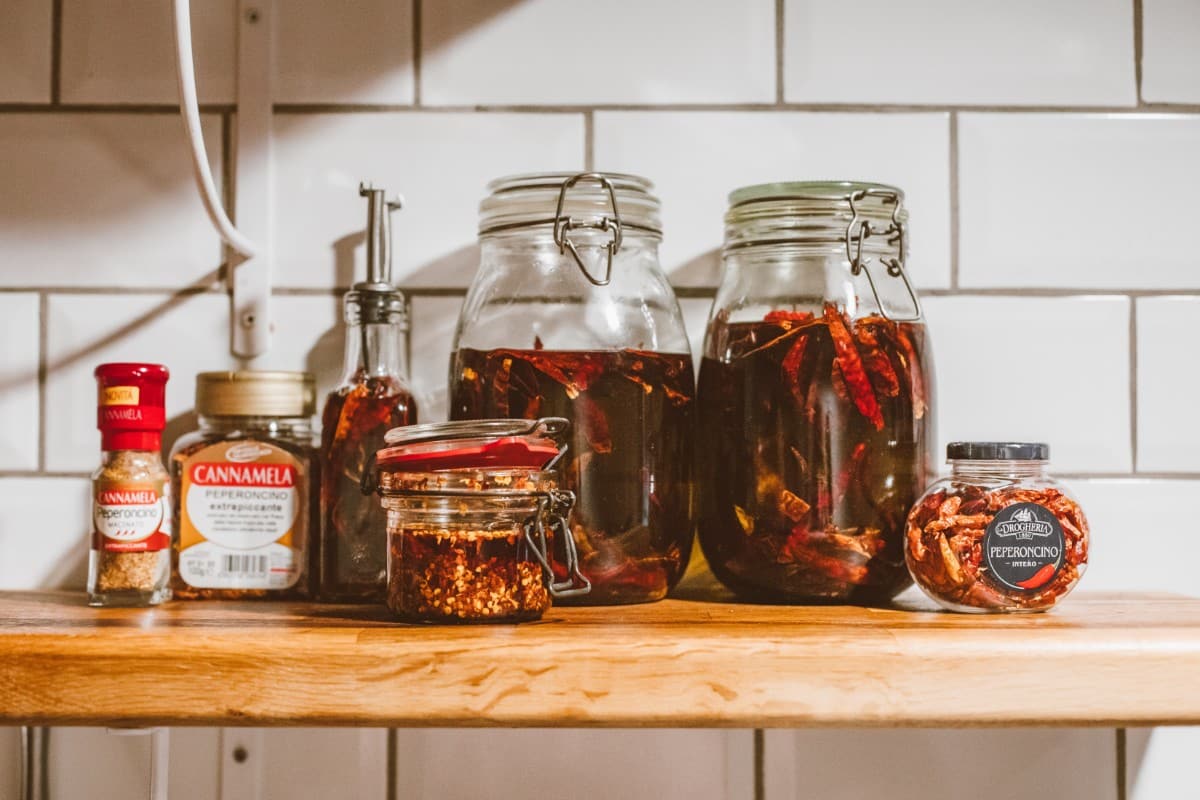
<point x="1097" y="660"/>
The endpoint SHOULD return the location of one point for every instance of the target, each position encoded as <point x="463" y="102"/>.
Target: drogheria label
<point x="240" y="513"/>
<point x="1023" y="546"/>
<point x="131" y="516"/>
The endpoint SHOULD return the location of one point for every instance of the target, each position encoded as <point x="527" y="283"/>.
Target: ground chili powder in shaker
<point x="130" y="563"/>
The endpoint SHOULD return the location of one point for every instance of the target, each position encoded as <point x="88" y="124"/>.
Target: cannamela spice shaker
<point x="130" y="563"/>
<point x="373" y="398"/>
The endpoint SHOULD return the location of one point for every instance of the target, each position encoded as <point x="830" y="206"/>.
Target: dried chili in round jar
<point x="998" y="534"/>
<point x="474" y="517"/>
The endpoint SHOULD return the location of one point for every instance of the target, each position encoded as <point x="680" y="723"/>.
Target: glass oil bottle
<point x="374" y="397"/>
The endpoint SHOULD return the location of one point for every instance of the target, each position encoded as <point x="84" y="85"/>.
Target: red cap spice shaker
<point x="999" y="534"/>
<point x="474" y="517"/>
<point x="130" y="563"/>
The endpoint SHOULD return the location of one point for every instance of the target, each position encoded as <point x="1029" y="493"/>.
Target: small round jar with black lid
<point x="998" y="534"/>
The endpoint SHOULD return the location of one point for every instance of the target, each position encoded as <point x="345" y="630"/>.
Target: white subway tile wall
<point x="1171" y="57"/>
<point x="1168" y="384"/>
<point x="1003" y="764"/>
<point x="19" y="332"/>
<point x="1050" y="195"/>
<point x="1077" y="200"/>
<point x="122" y="51"/>
<point x="573" y="52"/>
<point x="664" y="764"/>
<point x="677" y="150"/>
<point x="103" y="200"/>
<point x="1021" y="52"/>
<point x="25" y="60"/>
<point x="1131" y="516"/>
<point x="324" y="54"/>
<point x="440" y="161"/>
<point x="1017" y="393"/>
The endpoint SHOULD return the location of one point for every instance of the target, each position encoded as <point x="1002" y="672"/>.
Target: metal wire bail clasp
<point x="562" y="225"/>
<point x="859" y="230"/>
<point x="555" y="507"/>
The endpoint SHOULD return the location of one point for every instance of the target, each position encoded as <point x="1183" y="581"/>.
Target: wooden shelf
<point x="1097" y="660"/>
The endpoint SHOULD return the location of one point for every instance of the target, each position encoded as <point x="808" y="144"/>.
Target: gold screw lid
<point x="256" y="393"/>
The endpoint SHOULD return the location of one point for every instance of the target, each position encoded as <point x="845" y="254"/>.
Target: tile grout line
<point x="392" y="791"/>
<point x="42" y="375"/>
<point x="113" y="108"/>
<point x="665" y="108"/>
<point x="589" y="140"/>
<point x="760" y="789"/>
<point x="853" y="108"/>
<point x="1133" y="385"/>
<point x="779" y="10"/>
<point x="681" y="291"/>
<point x="954" y="213"/>
<point x="1138" y="48"/>
<point x="56" y="17"/>
<point x="1122" y="763"/>
<point x="685" y="290"/>
<point x="416" y="57"/>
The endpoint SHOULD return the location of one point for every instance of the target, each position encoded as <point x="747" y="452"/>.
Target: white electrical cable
<point x="190" y="112"/>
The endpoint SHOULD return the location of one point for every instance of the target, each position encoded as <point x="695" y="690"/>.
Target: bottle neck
<point x="374" y="350"/>
<point x="969" y="468"/>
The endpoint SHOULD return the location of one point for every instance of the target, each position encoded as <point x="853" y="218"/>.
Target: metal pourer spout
<point x="379" y="237"/>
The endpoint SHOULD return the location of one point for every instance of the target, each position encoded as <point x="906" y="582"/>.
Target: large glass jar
<point x="815" y="396"/>
<point x="570" y="315"/>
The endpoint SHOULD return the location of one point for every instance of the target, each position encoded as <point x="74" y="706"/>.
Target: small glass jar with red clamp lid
<point x="476" y="521"/>
<point x="130" y="561"/>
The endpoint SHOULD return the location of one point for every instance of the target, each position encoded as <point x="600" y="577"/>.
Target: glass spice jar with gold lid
<point x="245" y="488"/>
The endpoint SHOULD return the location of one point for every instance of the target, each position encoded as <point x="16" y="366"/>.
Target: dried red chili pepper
<point x="629" y="461"/>
<point x="851" y="365"/>
<point x="804" y="496"/>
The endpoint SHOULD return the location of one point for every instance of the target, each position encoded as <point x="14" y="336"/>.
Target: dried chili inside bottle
<point x="814" y="396"/>
<point x="571" y="315"/>
<point x="999" y="534"/>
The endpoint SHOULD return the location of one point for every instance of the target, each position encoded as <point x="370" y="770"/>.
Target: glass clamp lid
<point x="800" y="211"/>
<point x="473" y="444"/>
<point x="603" y="202"/>
<point x="498" y="446"/>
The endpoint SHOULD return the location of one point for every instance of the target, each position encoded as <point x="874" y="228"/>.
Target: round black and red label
<point x="1023" y="546"/>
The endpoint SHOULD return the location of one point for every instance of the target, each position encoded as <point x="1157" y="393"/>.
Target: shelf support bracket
<point x="250" y="277"/>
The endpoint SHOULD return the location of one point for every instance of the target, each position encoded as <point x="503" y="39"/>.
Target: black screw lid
<point x="998" y="451"/>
